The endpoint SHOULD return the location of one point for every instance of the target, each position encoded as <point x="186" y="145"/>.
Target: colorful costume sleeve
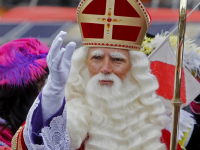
<point x="5" y="148"/>
<point x="194" y="143"/>
<point x="195" y="107"/>
<point x="5" y="137"/>
<point x="35" y="134"/>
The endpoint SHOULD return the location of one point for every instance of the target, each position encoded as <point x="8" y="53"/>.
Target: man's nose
<point x="106" y="67"/>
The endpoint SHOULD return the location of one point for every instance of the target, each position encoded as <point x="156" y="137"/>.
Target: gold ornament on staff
<point x="176" y="101"/>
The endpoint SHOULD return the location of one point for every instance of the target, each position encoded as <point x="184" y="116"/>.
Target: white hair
<point x="132" y="118"/>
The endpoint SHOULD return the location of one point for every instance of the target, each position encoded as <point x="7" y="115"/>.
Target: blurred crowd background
<point x="44" y="19"/>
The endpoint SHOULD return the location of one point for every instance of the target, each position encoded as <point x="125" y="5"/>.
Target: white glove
<point x="59" y="64"/>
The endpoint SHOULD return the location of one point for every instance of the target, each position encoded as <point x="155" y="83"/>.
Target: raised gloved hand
<point x="59" y="64"/>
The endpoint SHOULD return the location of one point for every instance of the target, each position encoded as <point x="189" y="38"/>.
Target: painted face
<point x="108" y="61"/>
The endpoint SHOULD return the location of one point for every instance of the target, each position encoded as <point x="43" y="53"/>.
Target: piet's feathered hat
<point x="113" y="23"/>
<point x="22" y="61"/>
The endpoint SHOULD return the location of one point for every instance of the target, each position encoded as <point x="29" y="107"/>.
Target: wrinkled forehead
<point x="99" y="51"/>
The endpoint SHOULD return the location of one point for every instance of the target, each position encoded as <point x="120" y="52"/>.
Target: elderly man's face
<point x="107" y="61"/>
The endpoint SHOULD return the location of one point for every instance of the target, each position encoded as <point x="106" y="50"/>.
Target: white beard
<point x="116" y="119"/>
<point x="110" y="119"/>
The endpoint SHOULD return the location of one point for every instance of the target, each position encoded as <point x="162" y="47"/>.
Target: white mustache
<point x="94" y="86"/>
<point x="101" y="76"/>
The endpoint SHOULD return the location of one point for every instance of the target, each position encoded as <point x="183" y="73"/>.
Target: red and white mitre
<point x="113" y="23"/>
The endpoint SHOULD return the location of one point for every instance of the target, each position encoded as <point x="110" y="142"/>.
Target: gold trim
<point x="112" y="45"/>
<point x="14" y="140"/>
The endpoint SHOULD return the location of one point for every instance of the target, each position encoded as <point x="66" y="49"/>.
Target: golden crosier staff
<point x="176" y="101"/>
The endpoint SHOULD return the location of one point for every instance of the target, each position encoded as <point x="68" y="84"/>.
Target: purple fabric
<point x="37" y="121"/>
<point x="22" y="62"/>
